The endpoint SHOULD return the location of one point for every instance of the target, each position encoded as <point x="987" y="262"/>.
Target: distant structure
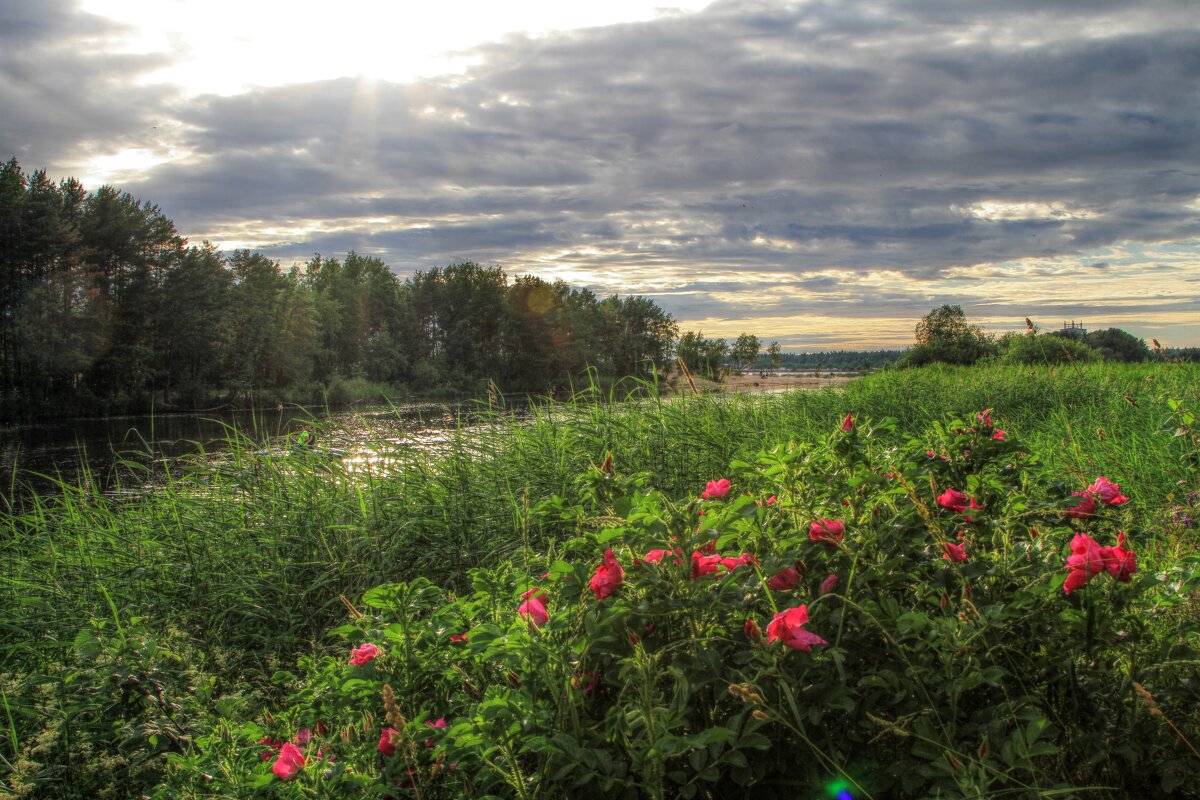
<point x="1074" y="328"/>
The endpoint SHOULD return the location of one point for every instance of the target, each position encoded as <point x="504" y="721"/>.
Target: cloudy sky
<point x="818" y="173"/>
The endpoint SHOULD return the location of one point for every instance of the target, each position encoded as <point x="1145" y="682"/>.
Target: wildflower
<point x="971" y="505"/>
<point x="290" y="762"/>
<point x="608" y="577"/>
<point x="1108" y="492"/>
<point x="829" y="584"/>
<point x="303" y="736"/>
<point x="733" y="562"/>
<point x="716" y="489"/>
<point x="387" y="741"/>
<point x="1119" y="562"/>
<point x="654" y="556"/>
<point x="848" y="423"/>
<point x="752" y="630"/>
<point x="985" y="417"/>
<point x="1086" y="562"/>
<point x="273" y="747"/>
<point x="459" y="637"/>
<point x="786" y="578"/>
<point x="438" y="724"/>
<point x="954" y="552"/>
<point x="360" y="656"/>
<point x="704" y="565"/>
<point x="788" y="627"/>
<point x="998" y="435"/>
<point x="772" y="500"/>
<point x="826" y="530"/>
<point x="952" y="499"/>
<point x="533" y="610"/>
<point x="1083" y="509"/>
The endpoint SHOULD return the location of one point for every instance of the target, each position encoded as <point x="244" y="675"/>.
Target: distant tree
<point x="638" y="336"/>
<point x="690" y="348"/>
<point x="744" y="351"/>
<point x="944" y="335"/>
<point x="1115" y="344"/>
<point x="775" y="355"/>
<point x="196" y="333"/>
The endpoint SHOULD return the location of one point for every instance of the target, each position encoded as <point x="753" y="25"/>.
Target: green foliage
<point x="235" y="563"/>
<point x="936" y="677"/>
<point x="1115" y="344"/>
<point x="744" y="352"/>
<point x="944" y="336"/>
<point x="1045" y="349"/>
<point x="104" y="310"/>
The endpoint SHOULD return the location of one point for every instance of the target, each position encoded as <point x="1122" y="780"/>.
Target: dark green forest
<point x="106" y="309"/>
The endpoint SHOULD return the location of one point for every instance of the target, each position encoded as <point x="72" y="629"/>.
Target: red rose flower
<point x="826" y="530"/>
<point x="608" y="577"/>
<point x="788" y="627"/>
<point x="786" y="578"/>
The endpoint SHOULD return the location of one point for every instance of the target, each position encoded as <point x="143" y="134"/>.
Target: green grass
<point x="243" y="567"/>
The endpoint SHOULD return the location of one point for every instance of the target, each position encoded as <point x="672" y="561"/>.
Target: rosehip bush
<point x="940" y="619"/>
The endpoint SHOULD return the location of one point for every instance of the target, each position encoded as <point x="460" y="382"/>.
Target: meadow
<point x="837" y="625"/>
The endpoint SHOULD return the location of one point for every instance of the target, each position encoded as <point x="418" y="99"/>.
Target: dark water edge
<point x="113" y="454"/>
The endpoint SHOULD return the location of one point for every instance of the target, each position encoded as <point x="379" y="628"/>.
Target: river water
<point x="101" y="453"/>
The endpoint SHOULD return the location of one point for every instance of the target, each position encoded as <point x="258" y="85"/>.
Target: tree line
<point x="104" y="308"/>
<point x="945" y="336"/>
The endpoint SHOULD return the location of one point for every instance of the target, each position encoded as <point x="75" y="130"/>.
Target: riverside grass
<point x="219" y="579"/>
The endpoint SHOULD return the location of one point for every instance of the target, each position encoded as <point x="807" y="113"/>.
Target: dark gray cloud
<point x="64" y="93"/>
<point x="804" y="141"/>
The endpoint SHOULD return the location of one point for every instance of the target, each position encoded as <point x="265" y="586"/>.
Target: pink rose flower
<point x="1119" y="562"/>
<point x="954" y="552"/>
<point x="1108" y="492"/>
<point x="387" y="745"/>
<point x="289" y="763"/>
<point x="829" y="584"/>
<point x="788" y="627"/>
<point x="733" y="562"/>
<point x="273" y="747"/>
<point x="998" y="435"/>
<point x="826" y="530"/>
<point x="786" y="578"/>
<point x="848" y="423"/>
<point x="716" y="489"/>
<point x="533" y="610"/>
<point x="952" y="499"/>
<point x="654" y="556"/>
<point x="361" y="656"/>
<point x="1083" y="509"/>
<point x="1085" y="562"/>
<point x="704" y="565"/>
<point x="608" y="577"/>
<point x="752" y="631"/>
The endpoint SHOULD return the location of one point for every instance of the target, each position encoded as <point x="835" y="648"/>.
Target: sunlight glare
<point x="227" y="46"/>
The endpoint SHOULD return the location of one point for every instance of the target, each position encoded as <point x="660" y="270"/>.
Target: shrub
<point x="1030" y="349"/>
<point x="940" y="619"/>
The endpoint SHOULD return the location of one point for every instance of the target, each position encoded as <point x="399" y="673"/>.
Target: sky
<point x="821" y="174"/>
